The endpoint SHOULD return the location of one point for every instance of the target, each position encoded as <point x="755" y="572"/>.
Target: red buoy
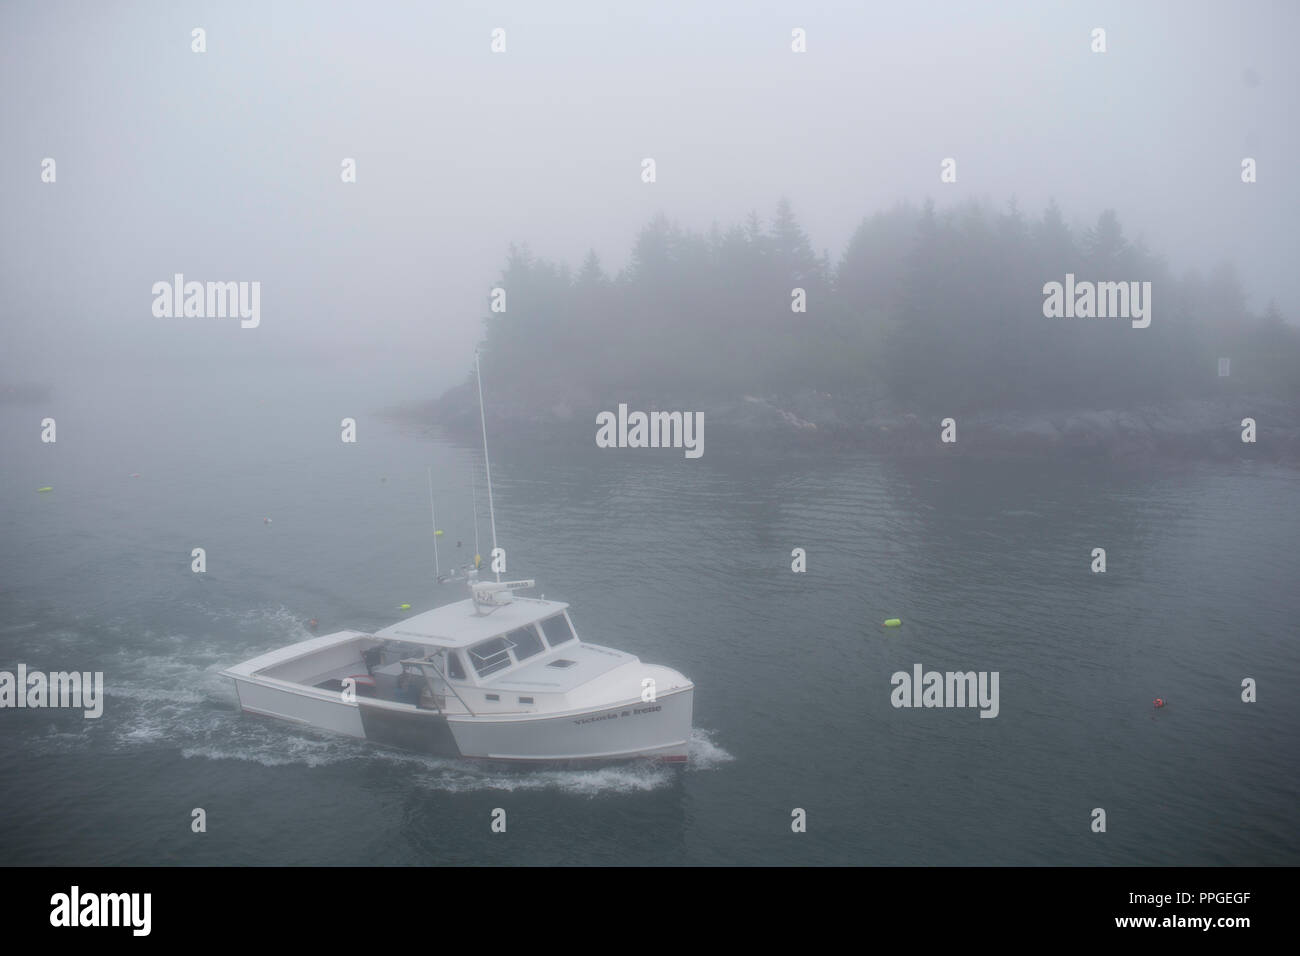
<point x="1160" y="702"/>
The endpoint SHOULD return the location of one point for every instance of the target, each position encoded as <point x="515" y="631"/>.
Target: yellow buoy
<point x="438" y="534"/>
<point x="893" y="622"/>
<point x="46" y="488"/>
<point x="404" y="607"/>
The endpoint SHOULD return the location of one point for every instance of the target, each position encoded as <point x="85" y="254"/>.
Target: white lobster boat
<point x="497" y="676"/>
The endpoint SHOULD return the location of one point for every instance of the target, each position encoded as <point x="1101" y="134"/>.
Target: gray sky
<point x="226" y="165"/>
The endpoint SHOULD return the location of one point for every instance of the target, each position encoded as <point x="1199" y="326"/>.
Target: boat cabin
<point x="450" y="651"/>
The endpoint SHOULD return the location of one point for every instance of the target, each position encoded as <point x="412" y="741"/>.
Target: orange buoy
<point x="1160" y="702"/>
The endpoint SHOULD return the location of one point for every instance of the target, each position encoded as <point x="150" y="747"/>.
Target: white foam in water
<point x="260" y="743"/>
<point x="276" y="745"/>
<point x="703" y="753"/>
<point x="466" y="776"/>
<point x="61" y="741"/>
<point x="169" y="695"/>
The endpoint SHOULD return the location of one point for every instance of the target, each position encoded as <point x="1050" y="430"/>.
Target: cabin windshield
<point x="557" y="629"/>
<point x="525" y="641"/>
<point x="490" y="656"/>
<point x="497" y="653"/>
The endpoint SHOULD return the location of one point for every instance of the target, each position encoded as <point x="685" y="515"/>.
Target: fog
<point x="946" y="354"/>
<point x="225" y="165"/>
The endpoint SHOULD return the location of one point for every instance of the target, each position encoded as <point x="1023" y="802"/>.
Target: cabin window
<point x="526" y="642"/>
<point x="561" y="662"/>
<point x="490" y="656"/>
<point x="454" y="670"/>
<point x="525" y="700"/>
<point x="557" y="630"/>
<point x="493" y="696"/>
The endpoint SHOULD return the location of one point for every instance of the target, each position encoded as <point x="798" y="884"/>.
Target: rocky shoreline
<point x="1188" y="429"/>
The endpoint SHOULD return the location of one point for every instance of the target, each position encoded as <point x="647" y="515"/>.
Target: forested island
<point x="926" y="315"/>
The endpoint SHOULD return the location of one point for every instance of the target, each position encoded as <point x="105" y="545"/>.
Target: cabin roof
<point x="585" y="663"/>
<point x="460" y="624"/>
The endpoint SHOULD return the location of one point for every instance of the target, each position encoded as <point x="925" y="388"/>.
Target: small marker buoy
<point x="135" y="474"/>
<point x="1159" y="702"/>
<point x="312" y="624"/>
<point x="404" y="607"/>
<point x="894" y="622"/>
<point x="45" y="489"/>
<point x="437" y="534"/>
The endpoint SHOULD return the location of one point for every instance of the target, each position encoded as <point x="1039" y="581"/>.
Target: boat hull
<point x="658" y="729"/>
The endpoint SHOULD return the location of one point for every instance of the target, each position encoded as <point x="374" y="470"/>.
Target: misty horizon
<point x="225" y="165"/>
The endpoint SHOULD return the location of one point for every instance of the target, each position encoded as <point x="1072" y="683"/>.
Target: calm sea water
<point x="685" y="563"/>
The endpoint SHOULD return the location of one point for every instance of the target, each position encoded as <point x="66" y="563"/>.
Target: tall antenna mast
<point x="487" y="465"/>
<point x="433" y="518"/>
<point x="473" y="490"/>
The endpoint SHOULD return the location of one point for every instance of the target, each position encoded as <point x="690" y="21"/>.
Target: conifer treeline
<point x="933" y="309"/>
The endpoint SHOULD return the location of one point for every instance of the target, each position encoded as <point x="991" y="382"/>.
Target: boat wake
<point x="271" y="744"/>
